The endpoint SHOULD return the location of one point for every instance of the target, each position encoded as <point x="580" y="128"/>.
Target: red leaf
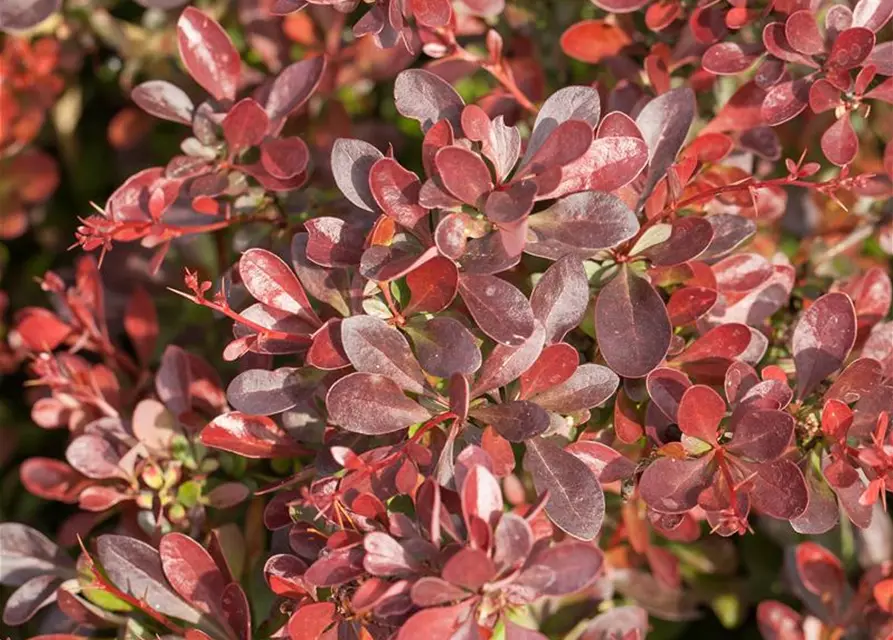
<point x="785" y="101"/>
<point x="669" y="485"/>
<point x="432" y="13"/>
<point x="761" y="436"/>
<point x="272" y="282"/>
<point x="292" y="87"/>
<point x="516" y="421"/>
<point x="52" y="479"/>
<point x="851" y="48"/>
<point x="700" y="412"/>
<point x="249" y="436"/>
<point x="555" y="365"/>
<point x="729" y="58"/>
<point x="839" y="142"/>
<point x="245" y="125"/>
<point x="432" y="286"/>
<point x="208" y="54"/>
<point x="284" y="158"/>
<point x="820" y="570"/>
<point x="592" y="40"/>
<point x="192" y="572"/>
<point x="464" y="174"/>
<point x="40" y="329"/>
<point x="396" y="191"/>
<point x="802" y="32"/>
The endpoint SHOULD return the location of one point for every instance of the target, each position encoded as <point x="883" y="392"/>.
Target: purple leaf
<point x="209" y="54"/>
<point x="499" y="308"/>
<point x="669" y="485"/>
<point x="29" y="598"/>
<point x="352" y="162"/>
<point x="265" y="393"/>
<point x="164" y="100"/>
<point x="851" y="48"/>
<point x="664" y="123"/>
<point x="332" y="242"/>
<point x="94" y="456"/>
<point x="822" y="340"/>
<point x="576" y="503"/>
<point x="569" y="103"/>
<point x="135" y="568"/>
<point x="581" y="224"/>
<point x="387" y="557"/>
<point x="284" y="158"/>
<point x="560" y="298"/>
<point x="563" y="569"/>
<point x="21" y="15"/>
<point x="469" y="568"/>
<point x="515" y="421"/>
<point x="631" y="325"/>
<point x="785" y="101"/>
<point x="27" y="553"/>
<point x="506" y="363"/>
<point x="700" y="412"/>
<point x="511" y="204"/>
<point x="779" y="490"/>
<point x="293" y="86"/>
<point x="371" y="404"/>
<point x="428" y="98"/>
<point x="373" y="346"/>
<point x="444" y="347"/>
<point x="688" y="239"/>
<point x="761" y="436"/>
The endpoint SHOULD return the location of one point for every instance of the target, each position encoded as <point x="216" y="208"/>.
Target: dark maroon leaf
<point x="688" y="239"/>
<point x="30" y="597"/>
<point x="762" y="436"/>
<point x="27" y="553"/>
<point x="581" y="224"/>
<point x="236" y="610"/>
<point x="249" y="436"/>
<point x="560" y="297"/>
<point x="499" y="309"/>
<point x="444" y="347"/>
<point x="373" y="346"/>
<point x="779" y="490"/>
<point x="208" y="54"/>
<point x="164" y="100"/>
<point x="332" y="242"/>
<point x="565" y="568"/>
<point x="423" y="96"/>
<point x="729" y="58"/>
<point x="371" y="404"/>
<point x="512" y="204"/>
<point x="631" y="324"/>
<point x="352" y="162"/>
<point x="576" y="503"/>
<point x="664" y="123"/>
<point x="293" y="86"/>
<point x="566" y="143"/>
<point x="822" y="340"/>
<point x="515" y="421"/>
<point x="506" y="363"/>
<point x="669" y="485"/>
<point x="729" y="231"/>
<point x="569" y="103"/>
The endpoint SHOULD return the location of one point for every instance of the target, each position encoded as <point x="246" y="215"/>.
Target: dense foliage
<point x="446" y="319"/>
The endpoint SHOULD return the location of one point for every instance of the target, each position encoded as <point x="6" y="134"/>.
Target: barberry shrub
<point x="448" y="319"/>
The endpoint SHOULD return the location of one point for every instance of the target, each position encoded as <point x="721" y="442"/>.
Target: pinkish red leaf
<point x="839" y="142"/>
<point x="822" y="340"/>
<point x="208" y="54"/>
<point x="249" y="436"/>
<point x="371" y="404"/>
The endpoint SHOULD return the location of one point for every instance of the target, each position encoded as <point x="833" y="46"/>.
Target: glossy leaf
<point x="588" y="387"/>
<point x="822" y="340"/>
<point x="423" y="96"/>
<point x="352" y="162"/>
<point x="515" y="421"/>
<point x="191" y="571"/>
<point x="208" y="54"/>
<point x="560" y="297"/>
<point x="444" y="346"/>
<point x="839" y="142"/>
<point x="265" y="393"/>
<point x="164" y="100"/>
<point x="249" y="436"/>
<point x="269" y="279"/>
